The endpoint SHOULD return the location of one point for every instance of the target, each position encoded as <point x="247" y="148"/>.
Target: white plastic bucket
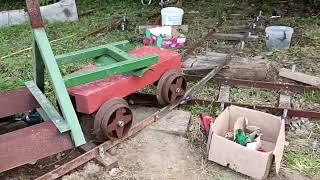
<point x="278" y="37"/>
<point x="171" y="16"/>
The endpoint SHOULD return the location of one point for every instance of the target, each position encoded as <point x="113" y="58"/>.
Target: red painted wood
<point x="16" y="101"/>
<point x="30" y="144"/>
<point x="90" y="97"/>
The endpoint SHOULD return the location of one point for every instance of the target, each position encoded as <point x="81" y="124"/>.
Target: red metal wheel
<point x="113" y="120"/>
<point x="160" y="86"/>
<point x="174" y="88"/>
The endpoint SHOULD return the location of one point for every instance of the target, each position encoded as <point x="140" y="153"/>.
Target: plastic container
<point x="278" y="37"/>
<point x="171" y="16"/>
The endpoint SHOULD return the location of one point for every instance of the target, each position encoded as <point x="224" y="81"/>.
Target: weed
<point x="312" y="97"/>
<point x="198" y="109"/>
<point x="307" y="164"/>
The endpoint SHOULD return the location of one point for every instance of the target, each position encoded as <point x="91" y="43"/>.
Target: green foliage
<point x="46" y="2"/>
<point x="307" y="164"/>
<point x="313" y="97"/>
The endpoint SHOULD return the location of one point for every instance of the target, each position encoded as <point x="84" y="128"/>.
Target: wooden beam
<point x="223" y="96"/>
<point x="284" y="101"/>
<point x="232" y="37"/>
<point x="89" y="53"/>
<point x="110" y="70"/>
<point x="59" y="87"/>
<point x="300" y="77"/>
<point x="47" y="107"/>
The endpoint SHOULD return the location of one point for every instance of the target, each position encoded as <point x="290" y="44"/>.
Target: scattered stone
<point x="112" y="151"/>
<point x="115" y="171"/>
<point x="58" y="156"/>
<point x="269" y="53"/>
<point x="33" y="163"/>
<point x="176" y="122"/>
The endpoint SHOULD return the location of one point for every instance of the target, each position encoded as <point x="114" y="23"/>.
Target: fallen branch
<point x="105" y="29"/>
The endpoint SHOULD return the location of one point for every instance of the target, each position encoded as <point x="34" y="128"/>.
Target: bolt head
<point x="120" y="123"/>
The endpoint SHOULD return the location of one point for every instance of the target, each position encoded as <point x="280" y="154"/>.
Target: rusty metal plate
<point x="257" y="84"/>
<point x="17" y="101"/>
<point x="34" y="14"/>
<point x="149" y="99"/>
<point x="30" y="144"/>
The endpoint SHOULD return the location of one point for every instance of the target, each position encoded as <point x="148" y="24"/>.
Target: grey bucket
<point x="278" y="37"/>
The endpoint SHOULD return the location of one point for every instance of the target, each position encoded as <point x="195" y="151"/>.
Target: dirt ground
<point x="163" y="151"/>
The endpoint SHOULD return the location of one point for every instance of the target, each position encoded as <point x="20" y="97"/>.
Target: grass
<point x="312" y="97"/>
<point x="307" y="164"/>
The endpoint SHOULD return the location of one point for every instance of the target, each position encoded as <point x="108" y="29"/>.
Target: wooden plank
<point x="223" y="96"/>
<point x="300" y="77"/>
<point x="233" y="37"/>
<point x="89" y="53"/>
<point x="17" y="101"/>
<point x="108" y="161"/>
<point x="181" y="28"/>
<point x="117" y="53"/>
<point x="239" y="68"/>
<point x="224" y="93"/>
<point x="59" y="87"/>
<point x="48" y="108"/>
<point x="284" y="101"/>
<point x="30" y="144"/>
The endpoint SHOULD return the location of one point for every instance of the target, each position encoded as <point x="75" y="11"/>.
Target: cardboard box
<point x="253" y="163"/>
<point x="169" y="37"/>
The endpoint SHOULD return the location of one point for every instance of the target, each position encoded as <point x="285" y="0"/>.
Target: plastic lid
<point x="172" y="10"/>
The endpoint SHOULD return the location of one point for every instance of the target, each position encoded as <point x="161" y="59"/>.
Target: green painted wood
<point x="118" y="54"/>
<point x="48" y="108"/>
<point x="110" y="70"/>
<point x="105" y="60"/>
<point x="62" y="95"/>
<point x="38" y="66"/>
<point x="44" y="115"/>
<point x="89" y="53"/>
<point x="140" y="72"/>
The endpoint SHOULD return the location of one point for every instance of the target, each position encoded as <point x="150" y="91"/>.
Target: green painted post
<point x="67" y="109"/>
<point x="38" y="67"/>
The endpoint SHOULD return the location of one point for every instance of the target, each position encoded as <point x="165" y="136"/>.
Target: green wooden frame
<point x="47" y="57"/>
<point x="111" y="59"/>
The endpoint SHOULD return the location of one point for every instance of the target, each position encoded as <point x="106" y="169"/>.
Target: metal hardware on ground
<point x="104" y="158"/>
